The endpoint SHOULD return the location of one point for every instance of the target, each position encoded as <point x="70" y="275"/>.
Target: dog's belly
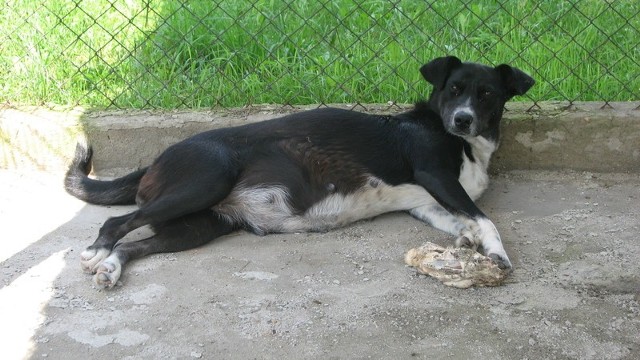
<point x="267" y="209"/>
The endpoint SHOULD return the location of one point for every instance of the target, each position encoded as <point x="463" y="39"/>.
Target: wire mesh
<point x="231" y="53"/>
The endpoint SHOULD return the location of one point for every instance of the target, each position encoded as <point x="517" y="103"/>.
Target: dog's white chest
<point x="473" y="174"/>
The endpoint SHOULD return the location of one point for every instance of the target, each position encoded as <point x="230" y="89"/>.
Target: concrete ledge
<point x="583" y="137"/>
<point x="38" y="138"/>
<point x="552" y="136"/>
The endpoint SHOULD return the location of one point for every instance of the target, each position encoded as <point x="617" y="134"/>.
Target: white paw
<point x="108" y="272"/>
<point x="492" y="244"/>
<point x="90" y="258"/>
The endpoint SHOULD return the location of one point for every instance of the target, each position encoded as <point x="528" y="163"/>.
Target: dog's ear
<point x="515" y="81"/>
<point x="437" y="70"/>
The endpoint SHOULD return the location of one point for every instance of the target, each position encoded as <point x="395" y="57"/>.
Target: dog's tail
<point x="120" y="191"/>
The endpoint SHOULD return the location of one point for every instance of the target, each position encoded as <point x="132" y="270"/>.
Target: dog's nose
<point x="463" y="120"/>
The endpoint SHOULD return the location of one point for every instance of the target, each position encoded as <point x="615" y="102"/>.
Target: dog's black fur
<point x="315" y="170"/>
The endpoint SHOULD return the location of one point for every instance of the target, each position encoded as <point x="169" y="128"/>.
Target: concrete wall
<point x="583" y="137"/>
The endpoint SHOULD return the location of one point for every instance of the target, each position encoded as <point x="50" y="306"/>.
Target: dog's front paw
<point x="90" y="258"/>
<point x="501" y="260"/>
<point x="108" y="272"/>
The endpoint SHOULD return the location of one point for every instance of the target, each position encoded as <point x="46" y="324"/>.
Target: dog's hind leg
<point x="161" y="209"/>
<point x="186" y="179"/>
<point x="180" y="234"/>
<point x="101" y="248"/>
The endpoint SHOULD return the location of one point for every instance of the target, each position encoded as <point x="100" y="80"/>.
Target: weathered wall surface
<point x="583" y="137"/>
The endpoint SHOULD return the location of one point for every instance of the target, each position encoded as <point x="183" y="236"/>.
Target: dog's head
<point x="470" y="97"/>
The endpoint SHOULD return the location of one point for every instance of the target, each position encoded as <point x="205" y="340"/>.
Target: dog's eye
<point x="485" y="95"/>
<point x="455" y="90"/>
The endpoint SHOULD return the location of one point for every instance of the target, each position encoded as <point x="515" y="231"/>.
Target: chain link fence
<point x="222" y="54"/>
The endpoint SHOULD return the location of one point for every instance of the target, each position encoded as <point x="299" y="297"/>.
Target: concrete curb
<point x="584" y="137"/>
<point x="552" y="136"/>
<point x="37" y="138"/>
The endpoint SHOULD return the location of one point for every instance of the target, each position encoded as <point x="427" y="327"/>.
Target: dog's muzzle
<point x="462" y="122"/>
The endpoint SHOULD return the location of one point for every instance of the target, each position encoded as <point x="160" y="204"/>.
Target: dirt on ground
<point x="344" y="294"/>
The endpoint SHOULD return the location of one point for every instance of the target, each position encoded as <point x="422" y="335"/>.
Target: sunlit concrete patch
<point x="256" y="275"/>
<point x="123" y="337"/>
<point x="34" y="206"/>
<point x="22" y="303"/>
<point x="38" y="138"/>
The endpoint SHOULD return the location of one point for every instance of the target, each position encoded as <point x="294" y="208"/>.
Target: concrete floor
<point x="345" y="294"/>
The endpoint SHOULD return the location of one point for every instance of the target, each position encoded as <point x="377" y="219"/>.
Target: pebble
<point x="195" y="354"/>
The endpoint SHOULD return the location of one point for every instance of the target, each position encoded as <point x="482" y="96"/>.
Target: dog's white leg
<point x="491" y="243"/>
<point x="90" y="258"/>
<point x="438" y="217"/>
<point x="469" y="232"/>
<point x="108" y="272"/>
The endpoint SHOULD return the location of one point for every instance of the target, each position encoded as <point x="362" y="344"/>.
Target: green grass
<point x="142" y="54"/>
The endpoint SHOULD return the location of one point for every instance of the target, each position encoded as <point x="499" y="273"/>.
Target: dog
<point x="314" y="171"/>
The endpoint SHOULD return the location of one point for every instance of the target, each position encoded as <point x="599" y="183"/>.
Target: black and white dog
<point x="314" y="171"/>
